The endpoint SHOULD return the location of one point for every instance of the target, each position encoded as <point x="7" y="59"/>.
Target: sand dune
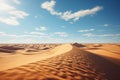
<point x="115" y="58"/>
<point x="65" y="62"/>
<point x="112" y="48"/>
<point x="108" y="51"/>
<point x="21" y="59"/>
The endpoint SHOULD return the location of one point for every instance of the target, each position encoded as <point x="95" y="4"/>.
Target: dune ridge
<point x="19" y="59"/>
<point x="68" y="63"/>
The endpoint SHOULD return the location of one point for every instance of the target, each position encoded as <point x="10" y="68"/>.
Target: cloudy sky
<point x="59" y="21"/>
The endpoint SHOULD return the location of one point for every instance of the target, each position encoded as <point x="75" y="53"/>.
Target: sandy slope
<point x="67" y="63"/>
<point x="8" y="61"/>
<point x="115" y="58"/>
<point x="114" y="48"/>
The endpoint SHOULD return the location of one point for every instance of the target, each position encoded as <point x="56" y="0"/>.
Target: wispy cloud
<point x="22" y="40"/>
<point x="61" y="34"/>
<point x="81" y="13"/>
<point x="17" y="1"/>
<point x="105" y="25"/>
<point x="63" y="26"/>
<point x="116" y="35"/>
<point x="71" y="22"/>
<point x="101" y="35"/>
<point x="49" y="6"/>
<point x="37" y="33"/>
<point x="9" y="20"/>
<point x="88" y="34"/>
<point x="86" y="30"/>
<point x="2" y="33"/>
<point x="42" y="28"/>
<point x="69" y="15"/>
<point x="8" y="35"/>
<point x="35" y="16"/>
<point x="10" y="14"/>
<point x="30" y="35"/>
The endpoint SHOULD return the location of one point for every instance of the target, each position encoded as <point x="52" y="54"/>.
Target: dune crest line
<point x="19" y="59"/>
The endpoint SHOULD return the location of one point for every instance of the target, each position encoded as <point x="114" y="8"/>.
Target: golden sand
<point x="64" y="62"/>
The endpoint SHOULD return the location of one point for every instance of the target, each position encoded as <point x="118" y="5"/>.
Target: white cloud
<point x="35" y="16"/>
<point x="8" y="35"/>
<point x="71" y="22"/>
<point x="2" y="33"/>
<point x="49" y="6"/>
<point x="18" y="14"/>
<point x="37" y="33"/>
<point x="43" y="28"/>
<point x="21" y="40"/>
<point x="101" y="35"/>
<point x="113" y="35"/>
<point x="17" y="1"/>
<point x="68" y="15"/>
<point x="5" y="7"/>
<point x="29" y="35"/>
<point x="62" y="34"/>
<point x="9" y="20"/>
<point x="11" y="1"/>
<point x="81" y="13"/>
<point x="63" y="26"/>
<point x="106" y="25"/>
<point x="10" y="15"/>
<point x="87" y="30"/>
<point x="88" y="34"/>
<point x="12" y="35"/>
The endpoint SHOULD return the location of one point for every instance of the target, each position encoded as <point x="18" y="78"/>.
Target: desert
<point x="59" y="39"/>
<point x="59" y="61"/>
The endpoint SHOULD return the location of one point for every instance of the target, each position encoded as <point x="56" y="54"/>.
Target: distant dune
<point x="64" y="62"/>
<point x="110" y="52"/>
<point x="16" y="60"/>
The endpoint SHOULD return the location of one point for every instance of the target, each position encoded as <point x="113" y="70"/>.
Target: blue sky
<point x="59" y="21"/>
